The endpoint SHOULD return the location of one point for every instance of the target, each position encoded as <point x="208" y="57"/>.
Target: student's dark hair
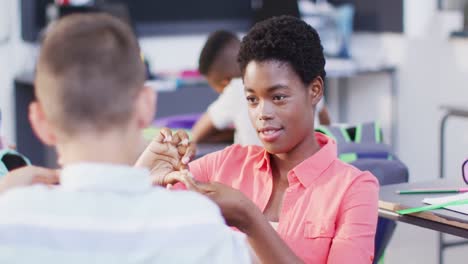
<point x="213" y="47"/>
<point x="93" y="72"/>
<point x="285" y="39"/>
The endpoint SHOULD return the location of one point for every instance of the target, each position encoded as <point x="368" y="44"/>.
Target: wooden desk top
<point x="390" y="202"/>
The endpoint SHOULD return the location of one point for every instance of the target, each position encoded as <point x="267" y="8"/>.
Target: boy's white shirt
<point x="108" y="213"/>
<point x="231" y="109"/>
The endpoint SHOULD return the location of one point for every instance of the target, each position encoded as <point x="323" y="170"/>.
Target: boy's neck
<point x="111" y="147"/>
<point x="236" y="75"/>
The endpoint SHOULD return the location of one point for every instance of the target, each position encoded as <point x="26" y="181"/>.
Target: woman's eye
<point x="251" y="99"/>
<point x="279" y="97"/>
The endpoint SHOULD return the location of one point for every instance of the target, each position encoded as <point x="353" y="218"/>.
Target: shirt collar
<point x="311" y="168"/>
<point x="264" y="162"/>
<point x="314" y="166"/>
<point x="105" y="177"/>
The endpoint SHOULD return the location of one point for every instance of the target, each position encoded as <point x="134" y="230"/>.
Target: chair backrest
<point x="362" y="145"/>
<point x="10" y="160"/>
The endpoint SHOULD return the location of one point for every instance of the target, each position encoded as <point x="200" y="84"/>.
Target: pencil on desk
<point x="432" y="191"/>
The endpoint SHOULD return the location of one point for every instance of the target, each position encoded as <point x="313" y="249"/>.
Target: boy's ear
<point x="40" y="125"/>
<point x="315" y="90"/>
<point x="146" y="107"/>
<point x="225" y="82"/>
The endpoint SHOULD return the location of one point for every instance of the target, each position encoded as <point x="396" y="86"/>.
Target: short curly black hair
<point x="213" y="47"/>
<point x="286" y="39"/>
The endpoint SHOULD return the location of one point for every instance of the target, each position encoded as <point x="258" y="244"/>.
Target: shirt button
<point x="322" y="230"/>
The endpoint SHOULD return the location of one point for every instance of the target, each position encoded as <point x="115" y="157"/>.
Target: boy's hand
<point x="165" y="154"/>
<point x="28" y="175"/>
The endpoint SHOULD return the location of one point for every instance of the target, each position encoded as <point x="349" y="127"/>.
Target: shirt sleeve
<point x="199" y="168"/>
<point x="222" y="111"/>
<point x="356" y="226"/>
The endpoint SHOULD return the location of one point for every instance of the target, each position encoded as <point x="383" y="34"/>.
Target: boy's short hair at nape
<point x="286" y="39"/>
<point x="213" y="48"/>
<point x="89" y="73"/>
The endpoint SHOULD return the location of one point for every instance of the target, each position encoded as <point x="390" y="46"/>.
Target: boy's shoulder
<point x="26" y="199"/>
<point x="155" y="204"/>
<point x="25" y="193"/>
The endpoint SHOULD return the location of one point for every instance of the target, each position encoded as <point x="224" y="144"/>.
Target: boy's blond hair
<point x="89" y="73"/>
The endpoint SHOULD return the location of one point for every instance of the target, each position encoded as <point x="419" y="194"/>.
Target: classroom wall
<point x="173" y="53"/>
<point x="431" y="72"/>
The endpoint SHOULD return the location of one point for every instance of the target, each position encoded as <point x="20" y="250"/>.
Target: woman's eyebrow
<point x="269" y="89"/>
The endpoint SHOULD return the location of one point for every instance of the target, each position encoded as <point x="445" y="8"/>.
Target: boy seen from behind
<point x="92" y="105"/>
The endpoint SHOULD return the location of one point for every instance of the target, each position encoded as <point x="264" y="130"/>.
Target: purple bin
<point x="185" y="121"/>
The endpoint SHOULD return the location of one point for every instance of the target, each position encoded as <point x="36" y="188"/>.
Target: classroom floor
<point x="414" y="245"/>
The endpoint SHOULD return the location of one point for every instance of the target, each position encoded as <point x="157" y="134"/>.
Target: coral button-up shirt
<point x="329" y="211"/>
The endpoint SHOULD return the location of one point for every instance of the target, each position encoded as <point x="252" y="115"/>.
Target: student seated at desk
<point x="92" y="106"/>
<point x="323" y="210"/>
<point x="218" y="63"/>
